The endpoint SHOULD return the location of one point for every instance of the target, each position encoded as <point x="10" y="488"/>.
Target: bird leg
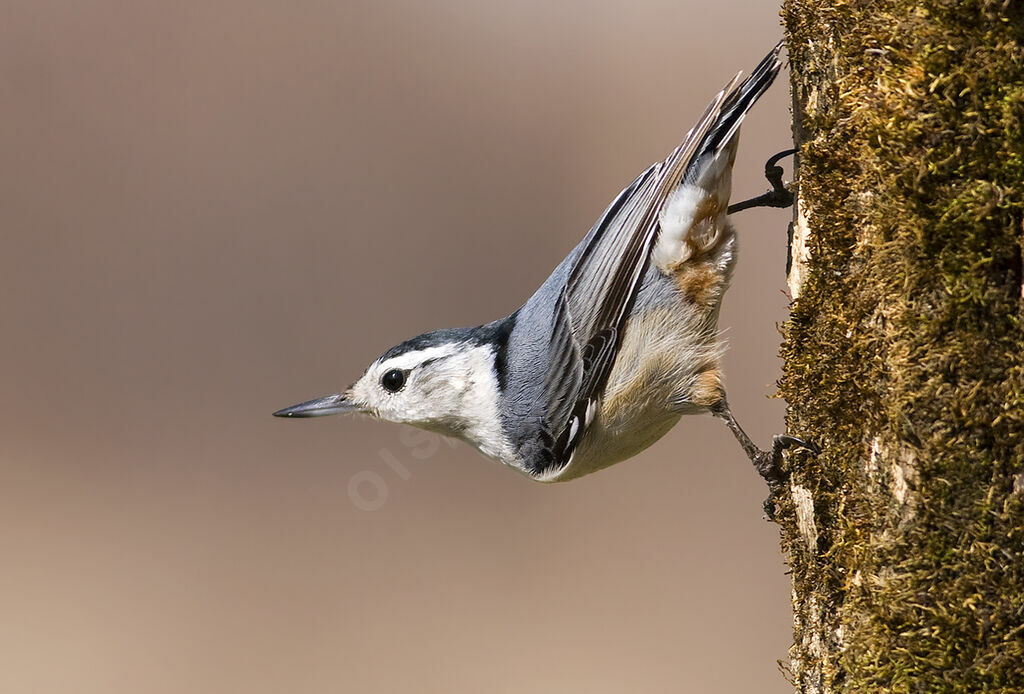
<point x="767" y="463"/>
<point x="778" y="196"/>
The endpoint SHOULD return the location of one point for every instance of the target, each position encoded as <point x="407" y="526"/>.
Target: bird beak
<point x="332" y="404"/>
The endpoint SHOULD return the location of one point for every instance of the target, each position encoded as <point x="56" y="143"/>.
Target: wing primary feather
<point x="741" y="100"/>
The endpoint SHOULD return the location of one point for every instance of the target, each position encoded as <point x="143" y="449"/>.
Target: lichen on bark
<point x="904" y="353"/>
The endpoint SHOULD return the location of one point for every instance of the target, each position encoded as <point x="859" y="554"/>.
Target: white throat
<point x="476" y="388"/>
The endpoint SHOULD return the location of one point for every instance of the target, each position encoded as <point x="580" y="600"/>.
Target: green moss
<point x="907" y="337"/>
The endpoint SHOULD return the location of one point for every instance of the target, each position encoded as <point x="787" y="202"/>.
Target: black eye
<point x="393" y="380"/>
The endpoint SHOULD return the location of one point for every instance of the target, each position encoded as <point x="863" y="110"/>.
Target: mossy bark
<point x="904" y="353"/>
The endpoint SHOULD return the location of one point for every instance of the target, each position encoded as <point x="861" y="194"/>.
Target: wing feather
<point x="601" y="288"/>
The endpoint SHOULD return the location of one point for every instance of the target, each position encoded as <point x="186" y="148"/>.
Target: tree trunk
<point x="904" y="353"/>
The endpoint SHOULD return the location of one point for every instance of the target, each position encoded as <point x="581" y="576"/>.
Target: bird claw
<point x="778" y="196"/>
<point x="769" y="465"/>
<point x="784" y="442"/>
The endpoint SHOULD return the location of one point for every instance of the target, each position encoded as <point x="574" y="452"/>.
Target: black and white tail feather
<point x="738" y="101"/>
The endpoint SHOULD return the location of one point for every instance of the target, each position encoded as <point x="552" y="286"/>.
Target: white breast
<point x="662" y="371"/>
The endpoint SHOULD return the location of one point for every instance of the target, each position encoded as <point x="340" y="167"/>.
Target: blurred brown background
<point x="212" y="210"/>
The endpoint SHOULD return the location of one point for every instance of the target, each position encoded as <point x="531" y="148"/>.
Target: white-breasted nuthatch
<point x="617" y="344"/>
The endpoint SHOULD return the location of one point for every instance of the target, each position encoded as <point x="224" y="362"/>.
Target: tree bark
<point x="904" y="353"/>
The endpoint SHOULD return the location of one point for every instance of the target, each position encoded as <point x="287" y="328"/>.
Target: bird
<point x="617" y="344"/>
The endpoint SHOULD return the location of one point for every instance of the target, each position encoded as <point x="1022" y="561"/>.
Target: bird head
<point x="443" y="381"/>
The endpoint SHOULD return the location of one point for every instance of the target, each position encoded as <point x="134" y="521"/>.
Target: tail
<point x="693" y="218"/>
<point x="740" y="98"/>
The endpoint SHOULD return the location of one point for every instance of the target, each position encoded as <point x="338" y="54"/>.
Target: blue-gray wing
<point x="603" y="284"/>
<point x="599" y="292"/>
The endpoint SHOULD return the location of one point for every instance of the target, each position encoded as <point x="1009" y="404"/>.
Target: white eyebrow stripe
<point x="418" y="356"/>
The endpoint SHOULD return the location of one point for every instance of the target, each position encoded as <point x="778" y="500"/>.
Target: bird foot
<point x="769" y="463"/>
<point x="778" y="196"/>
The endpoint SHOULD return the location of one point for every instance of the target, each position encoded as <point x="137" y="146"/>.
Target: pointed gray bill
<point x="332" y="404"/>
